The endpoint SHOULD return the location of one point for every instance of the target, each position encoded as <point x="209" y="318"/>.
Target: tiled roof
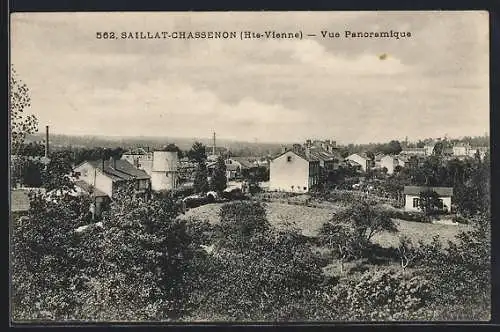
<point x="322" y="154"/>
<point x="122" y="171"/>
<point x="309" y="158"/>
<point x="416" y="190"/>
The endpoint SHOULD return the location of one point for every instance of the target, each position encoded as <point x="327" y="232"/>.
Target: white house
<point x="293" y="171"/>
<point x="412" y="196"/>
<point x="389" y="162"/>
<point x="461" y="149"/>
<point x="361" y="160"/>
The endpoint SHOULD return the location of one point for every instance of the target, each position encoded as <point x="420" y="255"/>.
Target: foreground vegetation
<point x="146" y="263"/>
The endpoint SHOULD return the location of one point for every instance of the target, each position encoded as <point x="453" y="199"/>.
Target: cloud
<point x="271" y="89"/>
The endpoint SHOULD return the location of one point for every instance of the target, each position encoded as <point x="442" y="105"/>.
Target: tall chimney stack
<point x="213" y="147"/>
<point x="46" y="141"/>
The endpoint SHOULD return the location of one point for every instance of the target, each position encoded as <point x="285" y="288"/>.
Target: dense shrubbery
<point x="380" y="295"/>
<point x="408" y="215"/>
<point x="254" y="270"/>
<point x="336" y="196"/>
<point x="145" y="264"/>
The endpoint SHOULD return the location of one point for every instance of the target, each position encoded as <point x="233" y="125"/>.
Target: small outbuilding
<point x="412" y="196"/>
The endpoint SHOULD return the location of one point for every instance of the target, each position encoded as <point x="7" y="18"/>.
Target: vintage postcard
<point x="250" y="167"/>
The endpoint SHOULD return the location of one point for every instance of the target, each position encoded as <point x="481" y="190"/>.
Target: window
<point x="305" y="188"/>
<point x="289" y="158"/>
<point x="416" y="203"/>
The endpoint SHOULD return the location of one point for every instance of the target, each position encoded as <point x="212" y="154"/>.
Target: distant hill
<point x="58" y="141"/>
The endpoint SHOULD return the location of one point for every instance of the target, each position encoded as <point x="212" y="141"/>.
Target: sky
<point x="431" y="84"/>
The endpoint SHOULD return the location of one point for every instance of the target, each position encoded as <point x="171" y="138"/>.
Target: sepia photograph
<point x="254" y="167"/>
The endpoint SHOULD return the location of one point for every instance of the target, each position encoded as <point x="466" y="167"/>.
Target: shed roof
<point x="416" y="190"/>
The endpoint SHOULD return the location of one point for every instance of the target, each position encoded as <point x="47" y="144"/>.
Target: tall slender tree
<point x="21" y="124"/>
<point x="218" y="181"/>
<point x="201" y="178"/>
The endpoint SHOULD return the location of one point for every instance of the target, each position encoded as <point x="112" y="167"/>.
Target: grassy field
<point x="309" y="221"/>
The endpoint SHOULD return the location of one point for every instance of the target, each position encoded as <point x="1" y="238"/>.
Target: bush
<point x="408" y="216"/>
<point x="380" y="295"/>
<point x="259" y="281"/>
<point x="460" y="219"/>
<point x="182" y="192"/>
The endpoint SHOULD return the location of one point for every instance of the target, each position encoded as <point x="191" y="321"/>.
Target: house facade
<point x="108" y="176"/>
<point x="390" y="163"/>
<point x="412" y="196"/>
<point x="364" y="162"/>
<point x="293" y="171"/>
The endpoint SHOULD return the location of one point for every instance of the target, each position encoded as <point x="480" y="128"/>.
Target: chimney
<point x="213" y="148"/>
<point x="46" y="141"/>
<point x="283" y="149"/>
<point x="112" y="162"/>
<point x="308" y="142"/>
<point x="297" y="148"/>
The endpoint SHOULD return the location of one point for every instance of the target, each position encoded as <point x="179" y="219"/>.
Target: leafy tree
<point x="460" y="273"/>
<point x="174" y="148"/>
<point x="147" y="249"/>
<point x="21" y="124"/>
<point x="254" y="271"/>
<point x="59" y="172"/>
<point x="438" y="149"/>
<point x="239" y="222"/>
<point x="45" y="274"/>
<point x="429" y="202"/>
<point x="358" y="223"/>
<point x="393" y="147"/>
<point x="338" y="238"/>
<point x="344" y="153"/>
<point x="380" y="295"/>
<point x="32" y="149"/>
<point x="370" y="155"/>
<point x="197" y="153"/>
<point x="201" y="178"/>
<point x="32" y="173"/>
<point x="218" y="180"/>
